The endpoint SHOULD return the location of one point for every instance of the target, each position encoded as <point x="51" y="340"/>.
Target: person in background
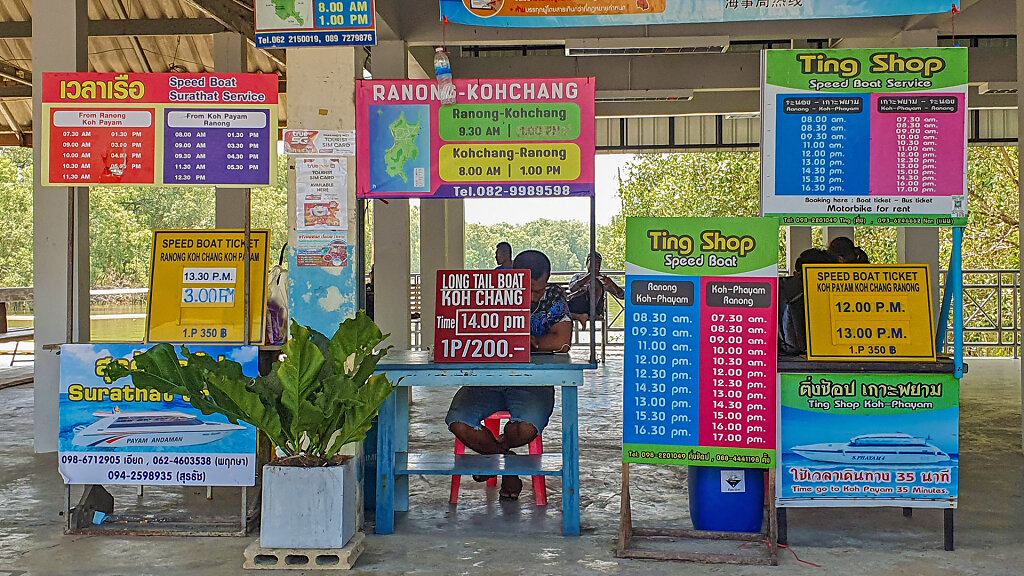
<point x="860" y="256"/>
<point x="529" y="407"/>
<point x="579" y="291"/>
<point x="843" y="249"/>
<point x="792" y="331"/>
<point x="503" y="256"/>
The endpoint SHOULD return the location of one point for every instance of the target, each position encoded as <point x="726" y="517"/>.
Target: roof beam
<point x="238" y="18"/>
<point x="15" y="90"/>
<point x="125" y="27"/>
<point x="13" y="73"/>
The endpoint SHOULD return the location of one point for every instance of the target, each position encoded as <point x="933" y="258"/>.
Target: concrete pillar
<point x="230" y="56"/>
<point x="838" y="231"/>
<point x="798" y="239"/>
<point x="920" y="245"/>
<point x="60" y="220"/>
<point x="442" y="247"/>
<point x="391" y="243"/>
<point x="321" y="96"/>
<point x="1020" y="130"/>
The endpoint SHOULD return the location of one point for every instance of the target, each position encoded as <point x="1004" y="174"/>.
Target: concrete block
<point x="259" y="558"/>
<point x="308" y="507"/>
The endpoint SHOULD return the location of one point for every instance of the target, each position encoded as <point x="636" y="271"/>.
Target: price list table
<point x="917" y="144"/>
<point x="96" y="145"/>
<point x="737" y="365"/>
<point x="219" y="146"/>
<point x="663" y="328"/>
<point x="824" y="144"/>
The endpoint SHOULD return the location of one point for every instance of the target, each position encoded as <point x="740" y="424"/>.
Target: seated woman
<point x="529" y="407"/>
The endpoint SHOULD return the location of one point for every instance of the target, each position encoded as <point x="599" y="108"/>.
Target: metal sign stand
<point x="766" y="541"/>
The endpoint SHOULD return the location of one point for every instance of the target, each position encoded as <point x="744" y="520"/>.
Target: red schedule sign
<point x="159" y="129"/>
<point x="482" y="316"/>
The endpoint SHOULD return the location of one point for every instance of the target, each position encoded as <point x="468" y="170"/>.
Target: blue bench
<point x="395" y="464"/>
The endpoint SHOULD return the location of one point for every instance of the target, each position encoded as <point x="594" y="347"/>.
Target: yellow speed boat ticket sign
<point x="869" y="312"/>
<point x="197" y="290"/>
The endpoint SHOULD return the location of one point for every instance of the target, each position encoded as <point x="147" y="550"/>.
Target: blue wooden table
<point x="395" y="463"/>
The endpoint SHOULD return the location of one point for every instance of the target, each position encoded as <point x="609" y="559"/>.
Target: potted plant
<point x="321" y="396"/>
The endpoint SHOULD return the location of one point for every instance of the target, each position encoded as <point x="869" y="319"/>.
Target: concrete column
<point x="60" y="219"/>
<point x="321" y="96"/>
<point x="838" y="231"/>
<point x="798" y="239"/>
<point x="442" y="247"/>
<point x="1020" y="130"/>
<point x="391" y="243"/>
<point x="920" y="245"/>
<point x="230" y="56"/>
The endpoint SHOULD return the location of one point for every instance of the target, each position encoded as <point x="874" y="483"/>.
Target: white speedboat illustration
<point x="139" y="429"/>
<point x="894" y="448"/>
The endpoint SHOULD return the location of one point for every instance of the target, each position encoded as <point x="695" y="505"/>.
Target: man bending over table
<point x="529" y="406"/>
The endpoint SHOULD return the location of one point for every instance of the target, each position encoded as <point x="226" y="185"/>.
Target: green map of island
<point x="285" y="9"/>
<point x="404" y="133"/>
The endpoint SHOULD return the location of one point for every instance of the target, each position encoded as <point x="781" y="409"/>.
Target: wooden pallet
<point x="259" y="558"/>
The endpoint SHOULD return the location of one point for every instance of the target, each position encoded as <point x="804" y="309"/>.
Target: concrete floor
<point x="485" y="536"/>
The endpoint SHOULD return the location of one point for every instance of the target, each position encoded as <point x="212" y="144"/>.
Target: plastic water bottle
<point x="443" y="68"/>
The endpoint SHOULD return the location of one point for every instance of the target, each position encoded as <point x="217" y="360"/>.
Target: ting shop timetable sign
<point x="699" y="386"/>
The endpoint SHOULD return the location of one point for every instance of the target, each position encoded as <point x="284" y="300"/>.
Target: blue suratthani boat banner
<point x="560" y="13"/>
<point x="115" y="433"/>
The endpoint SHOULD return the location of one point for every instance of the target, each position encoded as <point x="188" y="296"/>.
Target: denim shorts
<point x="531" y="404"/>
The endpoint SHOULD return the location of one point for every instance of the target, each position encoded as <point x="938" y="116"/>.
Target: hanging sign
<point x="869" y="440"/>
<point x="196" y="288"/>
<point x="115" y="433"/>
<point x="869" y="312"/>
<point x="519" y="138"/>
<point x="293" y="23"/>
<point x="865" y="137"/>
<point x="700" y="357"/>
<point x="159" y="129"/>
<point x="482" y="316"/>
<point x="562" y="13"/>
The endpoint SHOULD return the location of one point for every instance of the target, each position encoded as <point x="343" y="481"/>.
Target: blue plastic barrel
<point x="726" y="499"/>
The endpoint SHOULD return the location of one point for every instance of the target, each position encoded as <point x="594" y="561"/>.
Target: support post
<point x="1020" y="157"/>
<point x="441" y="248"/>
<point x="230" y="56"/>
<point x="391" y="242"/>
<point x="798" y="239"/>
<point x="60" y="219"/>
<point x="920" y="245"/>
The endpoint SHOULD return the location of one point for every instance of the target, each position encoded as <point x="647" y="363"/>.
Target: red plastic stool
<point x="493" y="423"/>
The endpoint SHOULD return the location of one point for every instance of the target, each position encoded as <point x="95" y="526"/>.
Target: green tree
<point x="16" y="216"/>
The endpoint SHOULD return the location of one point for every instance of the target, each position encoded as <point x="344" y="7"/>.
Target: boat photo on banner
<point x="561" y="13"/>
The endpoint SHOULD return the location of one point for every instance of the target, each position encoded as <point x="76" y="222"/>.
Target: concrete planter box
<point x="308" y="507"/>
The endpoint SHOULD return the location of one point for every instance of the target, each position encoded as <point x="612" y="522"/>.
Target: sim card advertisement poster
<point x="503" y="138"/>
<point x="699" y="386"/>
<point x="869" y="440"/>
<point x="114" y="433"/>
<point x="865" y="137"/>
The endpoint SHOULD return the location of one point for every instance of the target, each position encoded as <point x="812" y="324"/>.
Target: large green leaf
<point x="359" y="417"/>
<point x="298" y="373"/>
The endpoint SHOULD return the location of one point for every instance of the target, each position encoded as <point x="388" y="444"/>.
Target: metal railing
<point x="992" y="315"/>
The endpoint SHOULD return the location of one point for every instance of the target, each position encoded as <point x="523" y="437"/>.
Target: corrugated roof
<point x="192" y="53"/>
